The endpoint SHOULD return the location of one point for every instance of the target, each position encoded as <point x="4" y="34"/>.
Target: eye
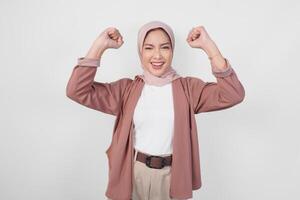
<point x="166" y="47"/>
<point x="147" y="48"/>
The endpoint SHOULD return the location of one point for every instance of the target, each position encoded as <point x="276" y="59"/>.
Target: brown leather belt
<point x="156" y="162"/>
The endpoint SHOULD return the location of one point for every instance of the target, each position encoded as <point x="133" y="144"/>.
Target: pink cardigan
<point x="191" y="96"/>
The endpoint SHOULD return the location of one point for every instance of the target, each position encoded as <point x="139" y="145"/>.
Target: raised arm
<point x="210" y="96"/>
<point x="81" y="87"/>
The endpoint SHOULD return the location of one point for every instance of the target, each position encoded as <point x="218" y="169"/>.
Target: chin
<point x="156" y="72"/>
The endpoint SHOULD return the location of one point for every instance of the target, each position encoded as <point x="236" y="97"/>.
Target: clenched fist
<point x="199" y="38"/>
<point x="110" y="38"/>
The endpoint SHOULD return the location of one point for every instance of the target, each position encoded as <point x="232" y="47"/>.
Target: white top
<point x="154" y="120"/>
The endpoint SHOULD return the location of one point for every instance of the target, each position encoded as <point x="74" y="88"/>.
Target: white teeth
<point x="157" y="64"/>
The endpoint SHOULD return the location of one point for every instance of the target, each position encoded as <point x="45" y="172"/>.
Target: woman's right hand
<point x="110" y="38"/>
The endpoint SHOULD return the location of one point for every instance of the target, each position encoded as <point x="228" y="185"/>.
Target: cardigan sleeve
<point x="211" y="96"/>
<point x="105" y="97"/>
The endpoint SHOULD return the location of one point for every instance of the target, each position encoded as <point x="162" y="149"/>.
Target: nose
<point x="157" y="54"/>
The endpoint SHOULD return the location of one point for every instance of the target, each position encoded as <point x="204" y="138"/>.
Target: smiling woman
<point x="157" y="52"/>
<point x="154" y="150"/>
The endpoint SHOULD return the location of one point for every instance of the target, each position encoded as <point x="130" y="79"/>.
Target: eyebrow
<point x="161" y="44"/>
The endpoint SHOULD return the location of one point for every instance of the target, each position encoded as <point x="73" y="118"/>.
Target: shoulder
<point x="125" y="80"/>
<point x="121" y="82"/>
<point x="192" y="81"/>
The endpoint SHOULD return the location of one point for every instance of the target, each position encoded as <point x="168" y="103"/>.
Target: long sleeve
<point x="104" y="97"/>
<point x="210" y="96"/>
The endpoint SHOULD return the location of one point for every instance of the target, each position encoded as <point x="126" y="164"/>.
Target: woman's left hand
<point x="199" y="38"/>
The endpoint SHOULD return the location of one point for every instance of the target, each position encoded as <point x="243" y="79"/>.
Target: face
<point x="157" y="52"/>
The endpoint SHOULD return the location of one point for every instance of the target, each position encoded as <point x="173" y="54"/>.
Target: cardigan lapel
<point x="181" y="175"/>
<point x="120" y="153"/>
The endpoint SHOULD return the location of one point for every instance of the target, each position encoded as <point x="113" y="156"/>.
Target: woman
<point x="154" y="151"/>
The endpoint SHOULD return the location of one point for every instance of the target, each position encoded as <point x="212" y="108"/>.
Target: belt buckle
<point x="148" y="161"/>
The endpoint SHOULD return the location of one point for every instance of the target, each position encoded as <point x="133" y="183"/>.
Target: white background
<point x="52" y="148"/>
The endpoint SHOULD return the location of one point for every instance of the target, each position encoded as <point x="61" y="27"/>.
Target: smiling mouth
<point x="157" y="65"/>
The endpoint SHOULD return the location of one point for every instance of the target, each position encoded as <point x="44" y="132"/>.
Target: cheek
<point x="168" y="56"/>
<point x="145" y="55"/>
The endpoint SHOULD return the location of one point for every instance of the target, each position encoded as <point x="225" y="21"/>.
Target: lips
<point x="157" y="65"/>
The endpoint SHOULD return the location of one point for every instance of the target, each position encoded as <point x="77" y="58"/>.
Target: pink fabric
<point x="191" y="96"/>
<point x="170" y="74"/>
<point x="89" y="62"/>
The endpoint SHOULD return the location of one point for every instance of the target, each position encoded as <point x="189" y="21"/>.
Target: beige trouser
<point x="150" y="183"/>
